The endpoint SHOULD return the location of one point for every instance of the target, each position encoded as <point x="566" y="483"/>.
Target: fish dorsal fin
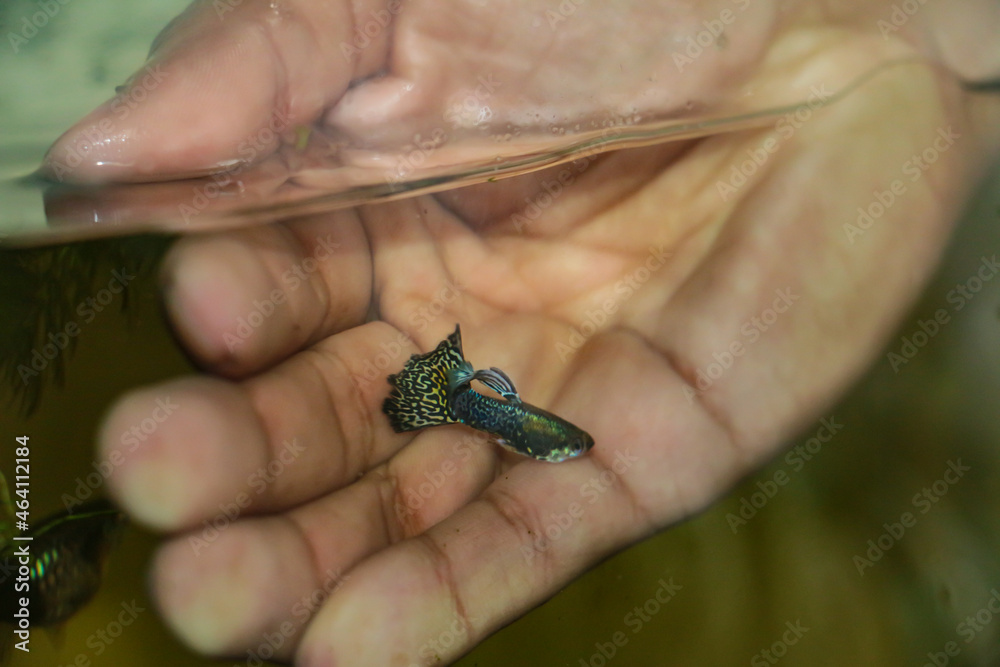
<point x="498" y="381"/>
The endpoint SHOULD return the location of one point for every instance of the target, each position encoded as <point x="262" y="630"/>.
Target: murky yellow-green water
<point x="774" y="566"/>
<point x="780" y="571"/>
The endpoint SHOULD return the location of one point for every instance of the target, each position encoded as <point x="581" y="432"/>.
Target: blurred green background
<point x="741" y="586"/>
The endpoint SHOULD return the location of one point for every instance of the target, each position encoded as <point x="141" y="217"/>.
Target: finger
<point x="219" y="89"/>
<point x="198" y="575"/>
<point x="241" y="301"/>
<point x="253" y="567"/>
<point x="810" y="296"/>
<point x="235" y="585"/>
<point x="188" y="450"/>
<point x="537" y="526"/>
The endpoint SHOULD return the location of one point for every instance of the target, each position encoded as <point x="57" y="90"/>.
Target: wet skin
<point x="297" y="389"/>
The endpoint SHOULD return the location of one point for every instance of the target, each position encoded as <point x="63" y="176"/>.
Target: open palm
<point x="688" y="327"/>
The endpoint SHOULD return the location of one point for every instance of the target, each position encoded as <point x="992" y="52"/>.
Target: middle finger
<point x="310" y="425"/>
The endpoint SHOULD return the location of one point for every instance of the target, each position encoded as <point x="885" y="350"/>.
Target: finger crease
<point x="391" y="497"/>
<point x="714" y="414"/>
<point x="446" y="576"/>
<point x="314" y="559"/>
<point x="526" y="526"/>
<point x="333" y="409"/>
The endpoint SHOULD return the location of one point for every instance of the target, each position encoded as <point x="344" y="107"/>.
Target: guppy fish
<point x="436" y="388"/>
<point x="67" y="555"/>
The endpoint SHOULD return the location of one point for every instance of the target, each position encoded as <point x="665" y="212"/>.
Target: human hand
<point x="615" y="307"/>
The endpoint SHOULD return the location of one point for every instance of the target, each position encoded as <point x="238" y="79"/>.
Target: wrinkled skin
<point x="462" y="561"/>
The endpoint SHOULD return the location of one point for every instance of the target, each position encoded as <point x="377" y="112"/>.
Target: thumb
<point x="221" y="86"/>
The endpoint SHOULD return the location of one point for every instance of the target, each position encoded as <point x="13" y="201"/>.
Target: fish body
<point x="67" y="554"/>
<point x="435" y="389"/>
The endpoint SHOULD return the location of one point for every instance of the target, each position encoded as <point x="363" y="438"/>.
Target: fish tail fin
<point x="420" y="392"/>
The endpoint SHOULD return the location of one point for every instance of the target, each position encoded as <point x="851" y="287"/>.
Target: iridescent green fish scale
<point x="435" y="389"/>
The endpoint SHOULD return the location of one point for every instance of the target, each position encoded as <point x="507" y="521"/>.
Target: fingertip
<point x="220" y="90"/>
<point x="221" y="588"/>
<point x="90" y="148"/>
<point x="187" y="590"/>
<point x="374" y="619"/>
<point x="204" y="598"/>
<point x="172" y="450"/>
<point x="188" y="111"/>
<point x="170" y="121"/>
<point x="234" y="299"/>
<point x="208" y="288"/>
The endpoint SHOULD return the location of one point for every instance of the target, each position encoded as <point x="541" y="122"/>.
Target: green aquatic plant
<point x="45" y="301"/>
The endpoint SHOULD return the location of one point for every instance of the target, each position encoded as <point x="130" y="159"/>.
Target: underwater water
<point x="778" y="564"/>
<point x="716" y="589"/>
